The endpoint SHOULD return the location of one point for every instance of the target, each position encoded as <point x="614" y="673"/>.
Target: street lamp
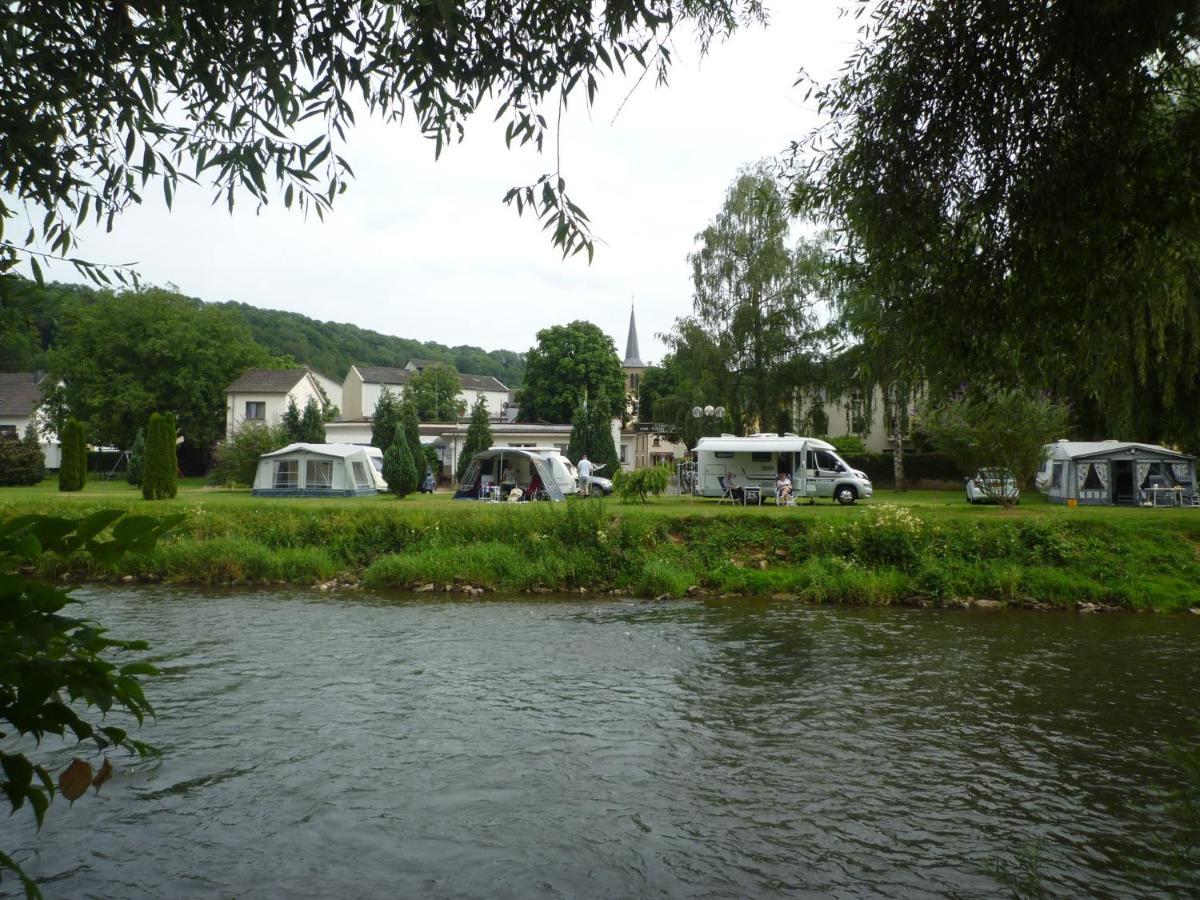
<point x="716" y="412"/>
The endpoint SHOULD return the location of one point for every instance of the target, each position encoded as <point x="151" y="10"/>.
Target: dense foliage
<point x="591" y="435"/>
<point x="235" y="460"/>
<point x="21" y="460"/>
<point x="1017" y="184"/>
<point x="312" y="423"/>
<point x="72" y="472"/>
<point x="640" y="484"/>
<point x="256" y="97"/>
<point x="160" y="476"/>
<point x="436" y="393"/>
<point x="400" y="465"/>
<point x="990" y="433"/>
<point x="56" y="668"/>
<point x="479" y="437"/>
<point x="125" y="355"/>
<point x="571" y="364"/>
<point x="137" y="459"/>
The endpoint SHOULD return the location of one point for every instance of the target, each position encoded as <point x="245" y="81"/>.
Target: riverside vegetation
<point x="933" y="552"/>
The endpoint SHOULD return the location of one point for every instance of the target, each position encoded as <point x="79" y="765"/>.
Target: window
<point x="360" y="475"/>
<point x="624" y="454"/>
<point x="826" y="460"/>
<point x="287" y="474"/>
<point x="256" y="410"/>
<point x="318" y="474"/>
<point x="634" y="381"/>
<point x="760" y="456"/>
<point x="724" y="454"/>
<point x="8" y="430"/>
<point x="1092" y="481"/>
<point x="377" y="462"/>
<point x="1056" y="477"/>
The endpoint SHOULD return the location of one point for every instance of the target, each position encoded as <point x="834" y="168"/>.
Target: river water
<point x="351" y="746"/>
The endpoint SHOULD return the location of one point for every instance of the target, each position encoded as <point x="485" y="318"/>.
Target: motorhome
<point x="813" y="465"/>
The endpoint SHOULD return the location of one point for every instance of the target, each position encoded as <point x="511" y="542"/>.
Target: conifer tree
<point x="137" y="459"/>
<point x="72" y="472"/>
<point x="159" y="476"/>
<point x="603" y="451"/>
<point x="581" y="439"/>
<point x="170" y="462"/>
<point x="383" y="424"/>
<point x="479" y="436"/>
<point x="312" y="424"/>
<point x="292" y="426"/>
<point x="399" y="469"/>
<point x="411" y="424"/>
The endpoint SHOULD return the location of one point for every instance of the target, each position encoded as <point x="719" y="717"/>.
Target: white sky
<point x="425" y="249"/>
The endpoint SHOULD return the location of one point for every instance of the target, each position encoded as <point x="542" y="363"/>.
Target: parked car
<point x="997" y="481"/>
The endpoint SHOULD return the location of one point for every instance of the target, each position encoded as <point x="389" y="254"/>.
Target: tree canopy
<point x="570" y="364"/>
<point x="437" y="394"/>
<point x="1018" y="182"/>
<point x="101" y="99"/>
<point x="127" y="355"/>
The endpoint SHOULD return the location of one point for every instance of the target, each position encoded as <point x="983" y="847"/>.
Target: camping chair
<point x="727" y="491"/>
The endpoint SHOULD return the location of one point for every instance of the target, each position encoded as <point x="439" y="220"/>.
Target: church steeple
<point x="633" y="357"/>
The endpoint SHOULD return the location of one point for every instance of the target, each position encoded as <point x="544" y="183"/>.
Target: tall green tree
<point x="257" y="97"/>
<point x="291" y="422"/>
<point x="591" y="435"/>
<point x="437" y="394"/>
<point x="126" y="355"/>
<point x="160" y="477"/>
<point x="72" y="471"/>
<point x="412" y="429"/>
<point x="755" y="293"/>
<point x="21" y="459"/>
<point x="385" y="420"/>
<point x="137" y="459"/>
<point x="569" y="364"/>
<point x="1019" y="183"/>
<point x="479" y="437"/>
<point x="312" y="423"/>
<point x="399" y="464"/>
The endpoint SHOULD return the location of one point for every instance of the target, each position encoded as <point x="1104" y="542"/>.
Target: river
<point x="358" y="746"/>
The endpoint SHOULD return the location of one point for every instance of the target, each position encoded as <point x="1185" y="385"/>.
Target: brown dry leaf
<point x="74" y="780"/>
<point x="105" y="773"/>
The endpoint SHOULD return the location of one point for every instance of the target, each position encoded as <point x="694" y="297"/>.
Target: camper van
<point x="813" y="465"/>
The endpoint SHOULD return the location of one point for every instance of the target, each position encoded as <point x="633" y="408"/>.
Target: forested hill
<point x="30" y="317"/>
<point x="331" y="347"/>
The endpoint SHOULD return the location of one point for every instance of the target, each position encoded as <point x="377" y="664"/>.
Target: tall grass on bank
<point x="887" y="554"/>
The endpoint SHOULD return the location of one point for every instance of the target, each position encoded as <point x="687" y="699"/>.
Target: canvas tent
<point x="316" y="470"/>
<point x="497" y="470"/>
<point x="1118" y="473"/>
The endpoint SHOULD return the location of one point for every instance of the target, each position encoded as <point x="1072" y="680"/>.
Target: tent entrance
<point x="1122" y="483"/>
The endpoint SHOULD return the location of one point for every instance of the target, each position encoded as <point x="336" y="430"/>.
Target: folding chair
<point x="727" y="492"/>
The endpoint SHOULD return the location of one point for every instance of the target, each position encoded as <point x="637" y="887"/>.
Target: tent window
<point x="1092" y="481"/>
<point x="287" y="473"/>
<point x="318" y="474"/>
<point x="1056" y="478"/>
<point x="360" y="475"/>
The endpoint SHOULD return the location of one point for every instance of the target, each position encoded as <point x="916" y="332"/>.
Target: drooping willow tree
<point x="1018" y="190"/>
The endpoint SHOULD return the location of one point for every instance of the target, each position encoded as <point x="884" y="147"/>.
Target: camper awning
<point x="761" y="444"/>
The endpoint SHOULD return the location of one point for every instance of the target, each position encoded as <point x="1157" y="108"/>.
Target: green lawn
<point x="194" y="492"/>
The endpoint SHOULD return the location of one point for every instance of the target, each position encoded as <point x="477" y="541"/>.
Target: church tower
<point x="632" y="365"/>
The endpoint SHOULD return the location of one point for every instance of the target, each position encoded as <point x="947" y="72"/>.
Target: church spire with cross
<point x="633" y="357"/>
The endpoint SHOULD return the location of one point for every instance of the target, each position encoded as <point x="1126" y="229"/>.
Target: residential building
<point x="21" y="394"/>
<point x="262" y="395"/>
<point x="364" y="384"/>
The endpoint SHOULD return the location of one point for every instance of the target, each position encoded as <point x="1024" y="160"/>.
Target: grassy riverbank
<point x="925" y="547"/>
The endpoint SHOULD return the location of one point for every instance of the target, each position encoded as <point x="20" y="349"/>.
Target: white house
<point x="21" y="393"/>
<point x="262" y="395"/>
<point x="364" y="384"/>
<point x="333" y="389"/>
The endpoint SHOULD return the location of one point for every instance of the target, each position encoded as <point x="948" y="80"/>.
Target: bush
<point x="236" y="458"/>
<point x="399" y="467"/>
<point x="641" y="482"/>
<point x="21" y="460"/>
<point x="73" y="472"/>
<point x="917" y="467"/>
<point x="159" y="479"/>
<point x="137" y="459"/>
<point x="848" y="443"/>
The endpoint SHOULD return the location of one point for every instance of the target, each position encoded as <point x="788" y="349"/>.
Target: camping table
<point x="1163" y="496"/>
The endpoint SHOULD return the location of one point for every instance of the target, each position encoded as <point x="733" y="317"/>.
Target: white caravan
<point x="756" y="461"/>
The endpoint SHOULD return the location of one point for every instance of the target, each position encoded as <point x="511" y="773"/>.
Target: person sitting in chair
<point x="783" y="490"/>
<point x="735" y="491"/>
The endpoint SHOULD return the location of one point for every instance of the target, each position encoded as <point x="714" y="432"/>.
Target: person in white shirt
<point x="585" y="473"/>
<point x="783" y="490"/>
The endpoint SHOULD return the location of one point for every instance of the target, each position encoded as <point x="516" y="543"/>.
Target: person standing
<point x="585" y="474"/>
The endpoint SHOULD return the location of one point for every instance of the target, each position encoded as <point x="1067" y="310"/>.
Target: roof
<point x="633" y="357"/>
<point x="340" y="451"/>
<point x="392" y="375"/>
<point x="20" y="394"/>
<point x="1082" y="449"/>
<point x="762" y="443"/>
<point x="266" y="381"/>
<point x="498" y="428"/>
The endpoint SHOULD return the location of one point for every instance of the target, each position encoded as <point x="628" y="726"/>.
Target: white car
<point x="997" y="481"/>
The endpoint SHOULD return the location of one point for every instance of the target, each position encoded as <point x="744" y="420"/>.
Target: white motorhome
<point x="813" y="465"/>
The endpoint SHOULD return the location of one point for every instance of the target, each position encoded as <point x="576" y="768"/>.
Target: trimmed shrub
<point x="159" y="478"/>
<point x="21" y="460"/>
<point x="73" y="472"/>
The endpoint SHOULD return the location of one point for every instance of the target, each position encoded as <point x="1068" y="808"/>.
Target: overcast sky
<point x="427" y="250"/>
